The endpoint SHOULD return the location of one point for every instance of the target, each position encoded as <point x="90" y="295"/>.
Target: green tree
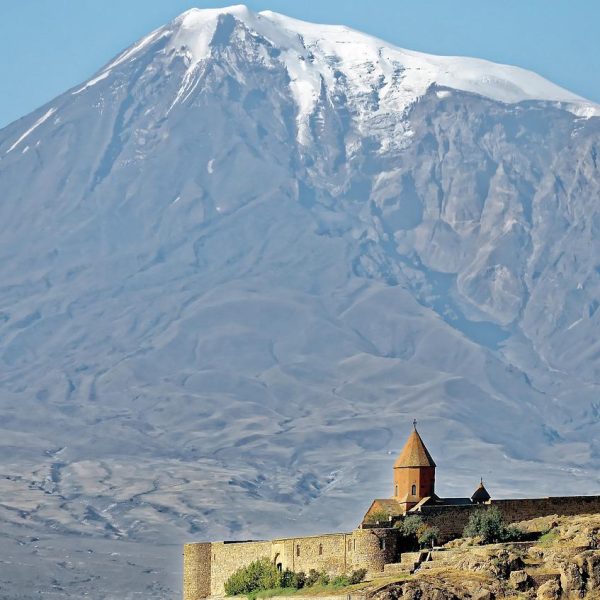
<point x="380" y="515"/>
<point x="428" y="536"/>
<point x="409" y="526"/>
<point x="490" y="527"/>
<point x="259" y="575"/>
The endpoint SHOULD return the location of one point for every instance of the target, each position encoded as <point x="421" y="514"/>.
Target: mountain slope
<point x="240" y="259"/>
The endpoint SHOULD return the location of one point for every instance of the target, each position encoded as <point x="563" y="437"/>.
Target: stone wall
<point x="228" y="557"/>
<point x="451" y="520"/>
<point x="323" y="553"/>
<point x="523" y="509"/>
<point x="373" y="548"/>
<point x="208" y="566"/>
<point x="196" y="570"/>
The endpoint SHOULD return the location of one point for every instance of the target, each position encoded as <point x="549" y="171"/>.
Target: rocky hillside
<point x="563" y="563"/>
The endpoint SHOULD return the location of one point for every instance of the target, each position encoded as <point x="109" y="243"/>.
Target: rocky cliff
<point x="563" y="563"/>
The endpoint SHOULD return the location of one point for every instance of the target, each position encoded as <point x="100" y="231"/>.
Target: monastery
<point x="376" y="544"/>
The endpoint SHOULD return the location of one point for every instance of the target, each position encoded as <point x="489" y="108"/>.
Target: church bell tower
<point x="414" y="472"/>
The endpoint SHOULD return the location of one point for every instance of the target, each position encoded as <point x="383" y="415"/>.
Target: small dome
<point x="481" y="495"/>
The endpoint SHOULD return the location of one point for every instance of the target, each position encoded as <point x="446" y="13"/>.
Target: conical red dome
<point x="414" y="453"/>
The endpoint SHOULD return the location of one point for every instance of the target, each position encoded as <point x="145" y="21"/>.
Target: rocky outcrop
<point x="563" y="563"/>
<point x="438" y="589"/>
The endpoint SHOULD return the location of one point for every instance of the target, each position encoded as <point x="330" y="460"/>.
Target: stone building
<point x="376" y="542"/>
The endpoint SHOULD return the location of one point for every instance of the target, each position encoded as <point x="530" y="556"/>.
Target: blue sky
<point x="48" y="46"/>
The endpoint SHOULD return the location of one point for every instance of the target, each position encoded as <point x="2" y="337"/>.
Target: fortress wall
<point x="374" y="547"/>
<point x="196" y="570"/>
<point x="228" y="557"/>
<point x="523" y="509"/>
<point x="208" y="566"/>
<point x="451" y="520"/>
<point x="323" y="553"/>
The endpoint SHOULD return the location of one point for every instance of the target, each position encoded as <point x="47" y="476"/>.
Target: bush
<point x="259" y="575"/>
<point x="340" y="581"/>
<point x="428" y="536"/>
<point x="381" y="516"/>
<point x="261" y="579"/>
<point x="312" y="578"/>
<point x="323" y="579"/>
<point x="410" y="525"/>
<point x="299" y="580"/>
<point x="513" y="534"/>
<point x="289" y="579"/>
<point x="357" y="576"/>
<point x="490" y="527"/>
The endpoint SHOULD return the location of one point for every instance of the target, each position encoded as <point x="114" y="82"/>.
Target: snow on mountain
<point x="238" y="261"/>
<point x="317" y="56"/>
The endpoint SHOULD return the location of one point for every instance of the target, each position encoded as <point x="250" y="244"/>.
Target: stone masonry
<point x="208" y="565"/>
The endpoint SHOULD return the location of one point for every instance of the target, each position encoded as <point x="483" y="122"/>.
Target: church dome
<point x="414" y="453"/>
<point x="481" y="495"/>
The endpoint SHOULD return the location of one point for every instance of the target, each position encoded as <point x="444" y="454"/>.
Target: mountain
<point x="238" y="261"/>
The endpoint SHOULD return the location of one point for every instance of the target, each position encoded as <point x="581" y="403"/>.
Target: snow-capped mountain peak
<point x="380" y="80"/>
<point x="316" y="54"/>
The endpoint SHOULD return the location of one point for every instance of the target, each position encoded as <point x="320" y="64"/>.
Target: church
<point x="376" y="544"/>
<point x="414" y="484"/>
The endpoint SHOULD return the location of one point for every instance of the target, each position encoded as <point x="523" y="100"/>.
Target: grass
<point x="272" y="593"/>
<point x="548" y="538"/>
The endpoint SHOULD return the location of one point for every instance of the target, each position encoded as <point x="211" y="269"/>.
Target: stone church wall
<point x="451" y="520"/>
<point x="323" y="553"/>
<point x="228" y="557"/>
<point x="207" y="566"/>
<point x="521" y="510"/>
<point x="196" y="570"/>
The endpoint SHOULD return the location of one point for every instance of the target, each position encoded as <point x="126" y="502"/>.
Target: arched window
<point x="396" y="491"/>
<point x="382" y="543"/>
<point x="320" y="549"/>
<point x="414" y="490"/>
<point x="298" y="550"/>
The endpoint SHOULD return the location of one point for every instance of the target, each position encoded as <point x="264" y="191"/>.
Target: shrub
<point x="490" y="527"/>
<point x="410" y="525"/>
<point x="312" y="578"/>
<point x="299" y="580"/>
<point x="428" y="536"/>
<point x="323" y="579"/>
<point x="378" y="515"/>
<point x="357" y="576"/>
<point x="513" y="534"/>
<point x="289" y="579"/>
<point x="487" y="524"/>
<point x="316" y="578"/>
<point x="259" y="575"/>
<point x="340" y="581"/>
